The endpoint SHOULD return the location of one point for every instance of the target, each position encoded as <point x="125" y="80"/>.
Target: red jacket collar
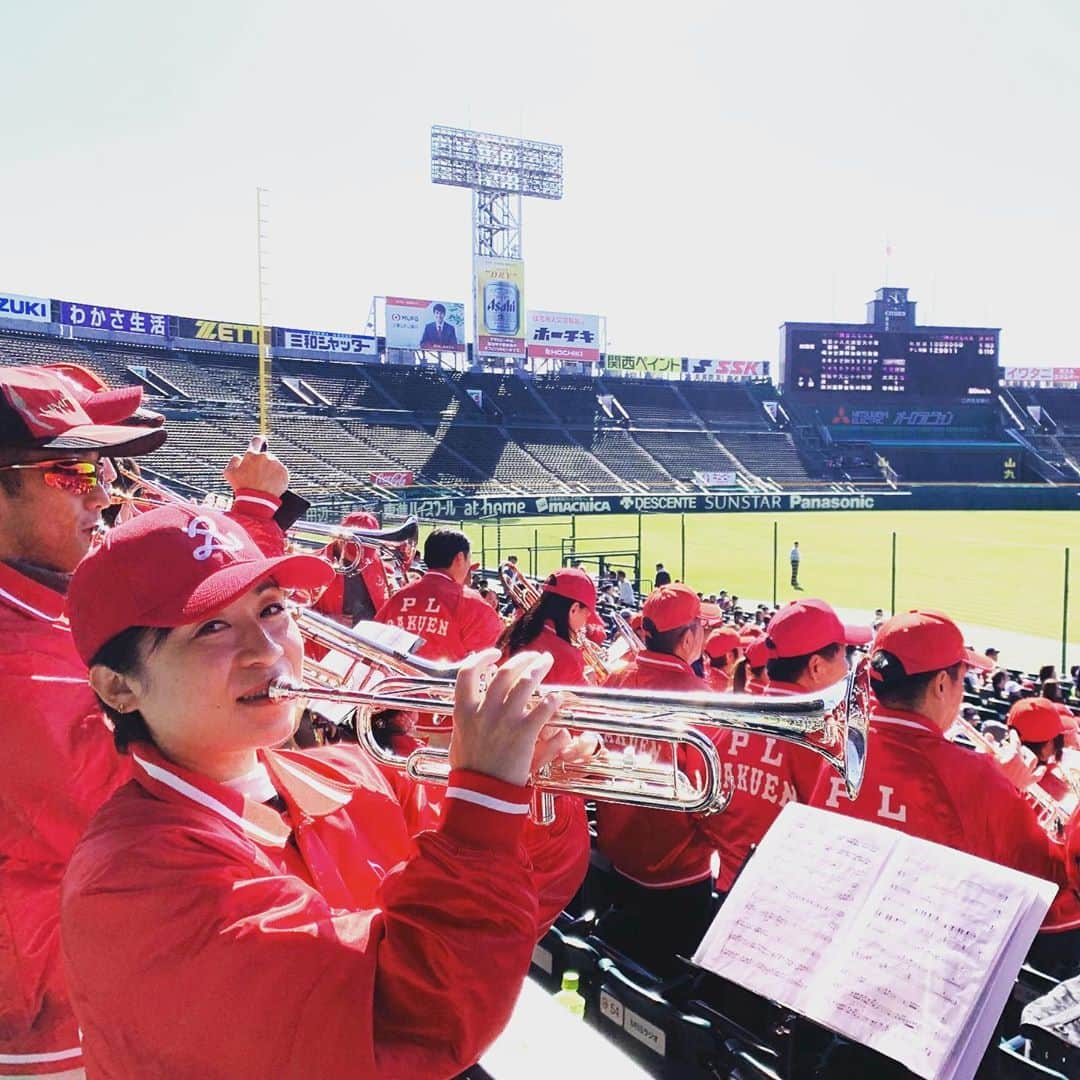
<point x="666" y="661"/>
<point x="775" y="688"/>
<point x="310" y="788"/>
<point x="23" y="594"/>
<point x="901" y="718"/>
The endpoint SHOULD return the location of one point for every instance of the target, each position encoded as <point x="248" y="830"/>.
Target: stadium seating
<point x="335" y="423"/>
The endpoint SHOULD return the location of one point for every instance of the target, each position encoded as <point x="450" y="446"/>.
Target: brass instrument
<point x="526" y="594"/>
<point x="397" y="543"/>
<point x="832" y="723"/>
<point x="1053" y="817"/>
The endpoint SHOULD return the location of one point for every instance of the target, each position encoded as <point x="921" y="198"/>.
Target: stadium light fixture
<point x="496" y="163"/>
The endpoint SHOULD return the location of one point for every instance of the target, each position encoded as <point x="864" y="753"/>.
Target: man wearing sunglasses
<point x="59" y="430"/>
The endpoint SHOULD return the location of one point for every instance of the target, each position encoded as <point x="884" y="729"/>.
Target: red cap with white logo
<point x="41" y="410"/>
<point x="171" y="566"/>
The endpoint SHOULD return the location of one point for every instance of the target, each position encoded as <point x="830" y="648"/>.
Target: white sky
<point x="729" y="165"/>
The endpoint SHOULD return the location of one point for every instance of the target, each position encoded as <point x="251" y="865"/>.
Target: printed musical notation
<point x="892" y="941"/>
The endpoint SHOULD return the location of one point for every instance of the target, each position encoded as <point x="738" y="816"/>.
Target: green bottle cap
<point x="569" y="980"/>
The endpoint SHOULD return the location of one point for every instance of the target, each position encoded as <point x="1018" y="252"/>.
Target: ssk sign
<point x="25" y="308"/>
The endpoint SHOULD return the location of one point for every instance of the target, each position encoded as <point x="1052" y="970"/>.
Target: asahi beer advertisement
<point x="437" y="325"/>
<point x="500" y="306"/>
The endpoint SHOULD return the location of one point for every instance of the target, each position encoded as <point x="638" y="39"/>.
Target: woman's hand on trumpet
<point x="502" y="731"/>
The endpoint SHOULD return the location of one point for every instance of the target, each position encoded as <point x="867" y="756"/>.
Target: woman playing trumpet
<point x="230" y="872"/>
<point x="558" y="616"/>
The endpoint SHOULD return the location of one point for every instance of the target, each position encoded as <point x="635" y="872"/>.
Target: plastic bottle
<point x="568" y="997"/>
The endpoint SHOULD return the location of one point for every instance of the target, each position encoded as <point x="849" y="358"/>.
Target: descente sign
<point x="933" y="497"/>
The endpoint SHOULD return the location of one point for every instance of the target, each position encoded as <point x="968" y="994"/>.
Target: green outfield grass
<point x="991" y="568"/>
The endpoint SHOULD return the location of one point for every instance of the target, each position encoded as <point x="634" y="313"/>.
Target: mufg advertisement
<point x="424" y="324"/>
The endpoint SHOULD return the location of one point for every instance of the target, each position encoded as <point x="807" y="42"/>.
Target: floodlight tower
<point x="498" y="170"/>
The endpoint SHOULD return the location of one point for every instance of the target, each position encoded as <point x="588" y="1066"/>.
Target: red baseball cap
<point x="671" y="606"/>
<point x="573" y="583"/>
<point x="41" y="410"/>
<point x="921" y="641"/>
<point x="171" y="566"/>
<point x="802" y="627"/>
<point x="757" y="653"/>
<point x="102" y="405"/>
<point x="711" y="614"/>
<point x="360" y="519"/>
<point x="722" y="640"/>
<point x="1036" y="720"/>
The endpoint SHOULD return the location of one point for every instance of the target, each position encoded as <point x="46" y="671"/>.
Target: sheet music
<point x="912" y="971"/>
<point x="900" y="944"/>
<point x="778" y="937"/>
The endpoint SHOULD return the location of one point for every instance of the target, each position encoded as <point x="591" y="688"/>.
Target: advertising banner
<point x="224" y="332"/>
<point x="1066" y="376"/>
<point x="714" y="479"/>
<point x="95" y="317"/>
<point x="325" y="341"/>
<point x="706" y="370"/>
<point x="399" y="479"/>
<point x="561" y="335"/>
<point x="1005" y="496"/>
<point x="499" y="296"/>
<point x="662" y="367"/>
<point x="25" y="308"/>
<point x="424" y="324"/>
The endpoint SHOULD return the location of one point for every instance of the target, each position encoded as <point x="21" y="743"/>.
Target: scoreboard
<point x="889" y="354"/>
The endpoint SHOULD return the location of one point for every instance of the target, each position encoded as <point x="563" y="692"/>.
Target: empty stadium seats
<point x="336" y="423"/>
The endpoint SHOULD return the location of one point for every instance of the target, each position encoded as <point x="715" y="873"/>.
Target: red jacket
<point x="58" y="766"/>
<point x="370" y="571"/>
<point x="454" y="620"/>
<point x="568" y="668"/>
<point x="918" y="782"/>
<point x="765" y="774"/>
<point x="657" y="848"/>
<point x="203" y="940"/>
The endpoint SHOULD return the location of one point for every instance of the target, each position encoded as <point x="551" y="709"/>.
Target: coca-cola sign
<point x="387" y="479"/>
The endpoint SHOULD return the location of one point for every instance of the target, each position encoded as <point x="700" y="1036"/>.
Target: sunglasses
<point x="73" y="477"/>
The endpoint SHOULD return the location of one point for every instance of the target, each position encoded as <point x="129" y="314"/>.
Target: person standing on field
<point x="795" y="556"/>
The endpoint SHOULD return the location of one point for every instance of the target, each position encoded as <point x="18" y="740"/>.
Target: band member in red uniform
<point x="360" y="593"/>
<point x="287" y="881"/>
<point x="1040" y="726"/>
<point x="440" y="607"/>
<point x="918" y="782"/>
<point x="450" y="615"/>
<point x="723" y="648"/>
<point x="806" y="647"/>
<point x="55" y="481"/>
<point x="567" y="598"/>
<point x="663" y="860"/>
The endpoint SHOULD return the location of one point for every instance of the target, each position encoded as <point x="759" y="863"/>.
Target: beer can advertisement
<point x="500" y="308"/>
<point x="562" y="335"/>
<point x="438" y="325"/>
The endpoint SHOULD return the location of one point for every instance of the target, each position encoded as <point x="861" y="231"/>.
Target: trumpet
<point x="833" y="723"/>
<point x="1053" y="817"/>
<point x="399" y="543"/>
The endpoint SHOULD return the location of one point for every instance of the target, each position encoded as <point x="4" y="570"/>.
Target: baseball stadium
<point x="466" y="694"/>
